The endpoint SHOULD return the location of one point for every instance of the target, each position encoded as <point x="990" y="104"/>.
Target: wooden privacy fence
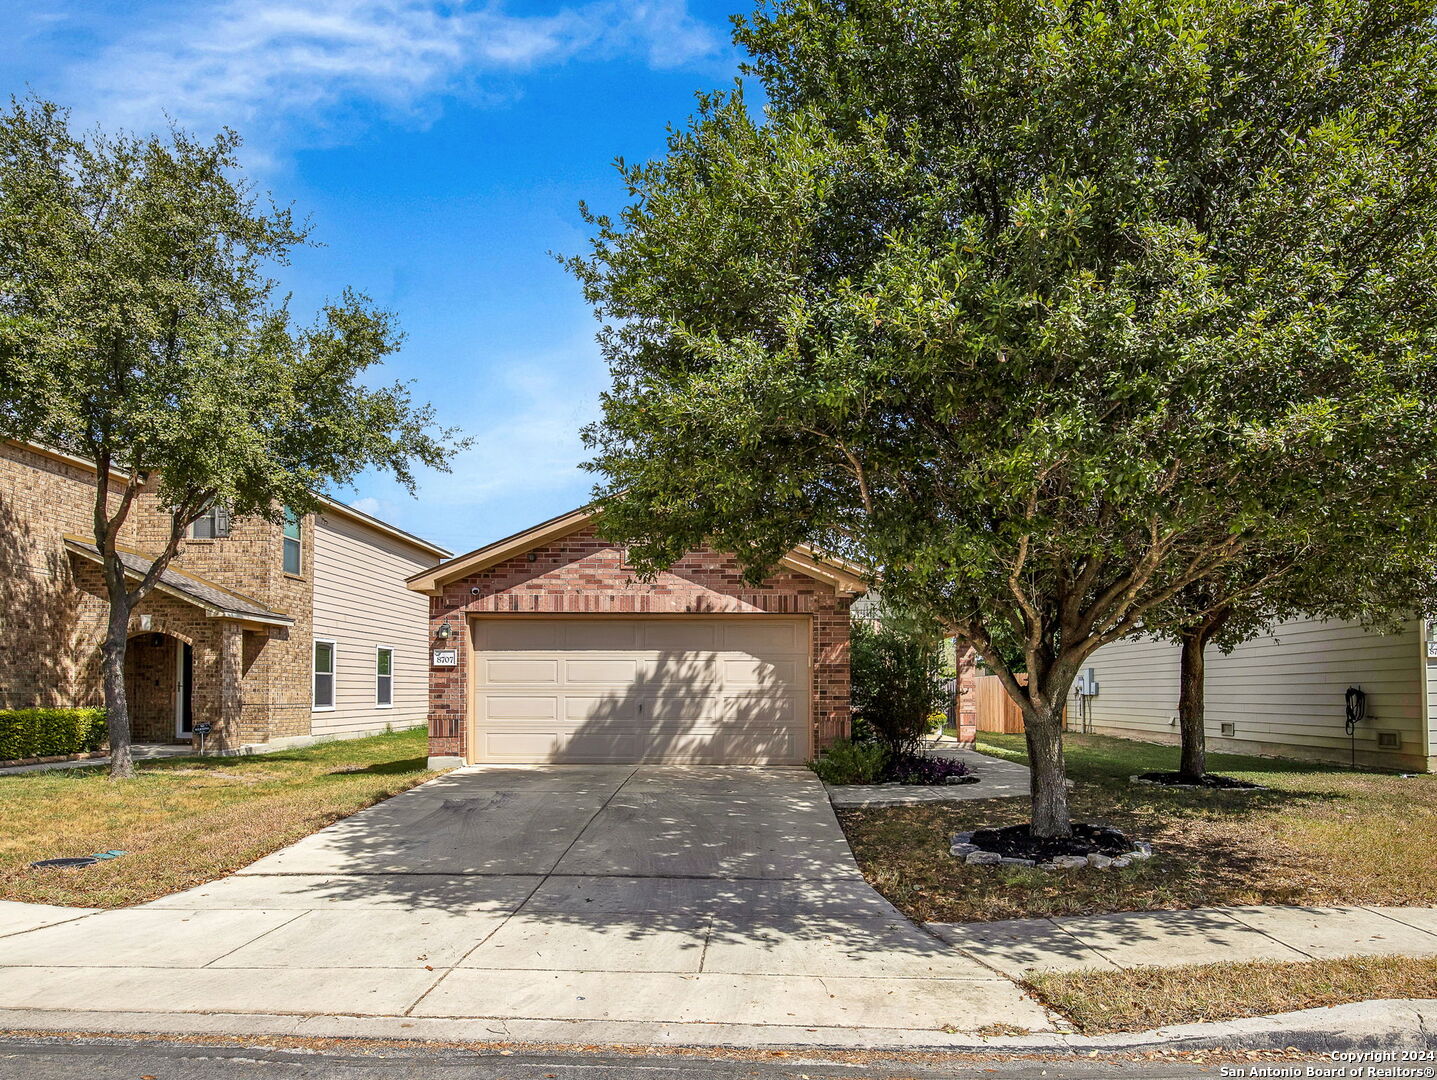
<point x="996" y="710"/>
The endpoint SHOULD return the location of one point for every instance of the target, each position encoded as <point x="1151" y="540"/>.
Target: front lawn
<point x="1138" y="999"/>
<point x="186" y="821"/>
<point x="1323" y="835"/>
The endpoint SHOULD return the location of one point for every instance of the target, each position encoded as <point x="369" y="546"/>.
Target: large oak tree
<point x="1045" y="310"/>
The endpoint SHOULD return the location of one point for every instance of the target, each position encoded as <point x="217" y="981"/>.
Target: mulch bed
<point x="1015" y="842"/>
<point x="1208" y="780"/>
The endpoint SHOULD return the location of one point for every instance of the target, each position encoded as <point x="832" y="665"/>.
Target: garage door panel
<point x="679" y="635"/>
<point x="599" y="635"/>
<point x="757" y="637"/>
<point x="502" y="669"/>
<point x="611" y="671"/>
<point x="653" y="709"/>
<point x="593" y="744"/>
<point x="710" y="691"/>
<point x="518" y="745"/>
<point x="718" y="747"/>
<point x="515" y="635"/>
<point x="533" y="706"/>
<point x="753" y="671"/>
<point x="758" y="712"/>
<point x="696" y="672"/>
<point x="580" y="708"/>
<point x="760" y="748"/>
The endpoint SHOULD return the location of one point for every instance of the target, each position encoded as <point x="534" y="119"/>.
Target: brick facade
<point x="581" y="574"/>
<point x="251" y="682"/>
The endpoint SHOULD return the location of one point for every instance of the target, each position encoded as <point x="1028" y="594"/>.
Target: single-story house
<point x="546" y="647"/>
<point x="1284" y="694"/>
<point x="275" y="635"/>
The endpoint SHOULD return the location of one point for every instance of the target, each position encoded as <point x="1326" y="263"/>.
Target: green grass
<point x="1322" y="835"/>
<point x="185" y="821"/>
<point x="1137" y="999"/>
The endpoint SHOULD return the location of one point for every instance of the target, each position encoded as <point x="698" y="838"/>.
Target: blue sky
<point x="441" y="150"/>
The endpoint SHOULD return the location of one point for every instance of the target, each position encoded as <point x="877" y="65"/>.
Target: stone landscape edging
<point x="967" y="850"/>
<point x="1251" y="790"/>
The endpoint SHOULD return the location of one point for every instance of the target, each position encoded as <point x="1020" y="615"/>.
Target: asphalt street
<point x="113" y="1059"/>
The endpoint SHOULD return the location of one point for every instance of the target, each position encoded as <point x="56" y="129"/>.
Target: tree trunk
<point x="1043" y="728"/>
<point x="112" y="667"/>
<point x="1193" y="766"/>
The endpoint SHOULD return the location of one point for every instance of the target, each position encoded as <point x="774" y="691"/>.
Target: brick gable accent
<point x="581" y="574"/>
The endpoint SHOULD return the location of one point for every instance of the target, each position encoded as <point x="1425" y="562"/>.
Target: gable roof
<point x="841" y="576"/>
<point x="334" y="506"/>
<point x="217" y="601"/>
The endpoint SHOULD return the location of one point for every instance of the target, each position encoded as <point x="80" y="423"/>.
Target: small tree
<point x="1048" y="310"/>
<point x="137" y="329"/>
<point x="1354" y="576"/>
<point x="897" y="683"/>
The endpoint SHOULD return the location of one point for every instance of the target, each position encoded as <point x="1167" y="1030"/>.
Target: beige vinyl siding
<point x="361" y="603"/>
<point x="1284" y="694"/>
<point x="1429" y="672"/>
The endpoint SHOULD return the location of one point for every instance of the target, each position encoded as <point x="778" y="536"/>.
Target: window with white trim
<point x="384" y="676"/>
<point x="324" y="674"/>
<point x="213" y="524"/>
<point x="293" y="545"/>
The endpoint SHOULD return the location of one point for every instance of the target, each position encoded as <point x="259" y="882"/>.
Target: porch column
<point x="231" y="696"/>
<point x="967" y="690"/>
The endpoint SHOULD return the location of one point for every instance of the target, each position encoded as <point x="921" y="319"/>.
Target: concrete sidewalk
<point x="1204" y="936"/>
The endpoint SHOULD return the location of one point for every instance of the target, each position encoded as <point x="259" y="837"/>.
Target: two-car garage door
<point x="731" y="691"/>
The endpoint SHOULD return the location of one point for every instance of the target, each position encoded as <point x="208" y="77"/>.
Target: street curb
<point x="1385" y="1025"/>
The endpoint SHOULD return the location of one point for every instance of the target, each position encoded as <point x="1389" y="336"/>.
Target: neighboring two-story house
<point x="272" y="634"/>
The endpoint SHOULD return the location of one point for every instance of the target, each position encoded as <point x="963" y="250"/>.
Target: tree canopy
<point x="1044" y="309"/>
<point x="139" y="328"/>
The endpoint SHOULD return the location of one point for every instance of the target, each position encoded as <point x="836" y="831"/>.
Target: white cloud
<point x="526" y="439"/>
<point x="369" y="506"/>
<point x="262" y="65"/>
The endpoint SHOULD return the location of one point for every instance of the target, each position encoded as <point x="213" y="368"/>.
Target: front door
<point x="184" y="702"/>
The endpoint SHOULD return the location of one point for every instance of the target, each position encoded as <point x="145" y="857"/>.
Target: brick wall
<point x="582" y="574"/>
<point x="967" y="668"/>
<point x="253" y="685"/>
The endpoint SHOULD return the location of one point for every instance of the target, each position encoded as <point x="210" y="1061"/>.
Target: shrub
<point x="847" y="762"/>
<point x="922" y="769"/>
<point x="897" y="684"/>
<point x="27" y="733"/>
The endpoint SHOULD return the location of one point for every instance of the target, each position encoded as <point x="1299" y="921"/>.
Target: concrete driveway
<point x="565" y="903"/>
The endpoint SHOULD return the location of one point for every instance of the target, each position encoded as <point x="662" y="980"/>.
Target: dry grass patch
<point x="1101" y="1002"/>
<point x="1212" y="847"/>
<point x="187" y="821"/>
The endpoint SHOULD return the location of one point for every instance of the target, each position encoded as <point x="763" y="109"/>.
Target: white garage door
<point x="732" y="691"/>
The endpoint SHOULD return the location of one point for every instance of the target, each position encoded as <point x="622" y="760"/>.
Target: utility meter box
<point x="1087" y="682"/>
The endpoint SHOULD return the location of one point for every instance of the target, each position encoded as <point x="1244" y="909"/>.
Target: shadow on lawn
<point x="383" y="768"/>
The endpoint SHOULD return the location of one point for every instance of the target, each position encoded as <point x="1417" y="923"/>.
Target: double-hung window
<point x="213" y="524"/>
<point x="324" y="674"/>
<point x="384" y="676"/>
<point x="292" y="545"/>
